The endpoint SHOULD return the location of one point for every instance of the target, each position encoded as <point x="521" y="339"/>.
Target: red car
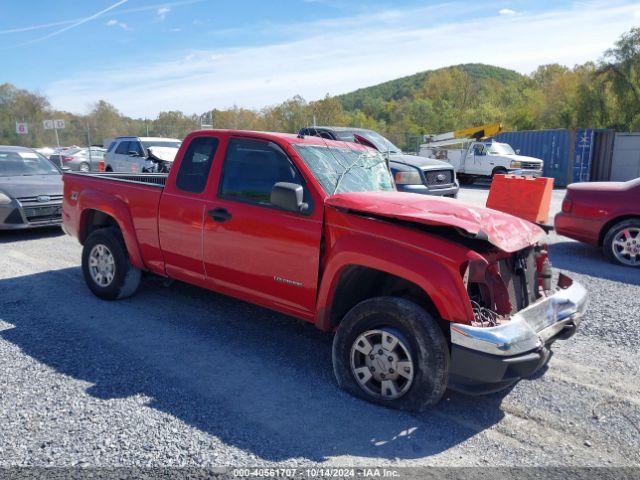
<point x="604" y="214"/>
<point x="423" y="293"/>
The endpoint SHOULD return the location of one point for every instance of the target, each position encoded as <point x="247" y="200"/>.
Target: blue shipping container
<point x="582" y="155"/>
<point x="552" y="146"/>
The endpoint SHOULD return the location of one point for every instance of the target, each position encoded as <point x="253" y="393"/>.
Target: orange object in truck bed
<point x="525" y="197"/>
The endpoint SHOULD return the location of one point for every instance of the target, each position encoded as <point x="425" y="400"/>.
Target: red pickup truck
<point x="422" y="293"/>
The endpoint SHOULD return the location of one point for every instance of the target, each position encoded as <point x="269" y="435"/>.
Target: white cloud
<point x="507" y="12"/>
<point x="115" y="23"/>
<point x="161" y="13"/>
<point x="400" y="44"/>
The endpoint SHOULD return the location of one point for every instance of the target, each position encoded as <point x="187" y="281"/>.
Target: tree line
<point x="599" y="94"/>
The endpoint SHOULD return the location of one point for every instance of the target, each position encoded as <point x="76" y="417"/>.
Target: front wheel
<point x="106" y="267"/>
<point x="390" y="351"/>
<point x="621" y="244"/>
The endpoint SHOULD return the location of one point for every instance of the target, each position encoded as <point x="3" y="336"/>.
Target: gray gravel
<point x="181" y="376"/>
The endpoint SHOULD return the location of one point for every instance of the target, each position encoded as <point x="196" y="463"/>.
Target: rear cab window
<point x="196" y="164"/>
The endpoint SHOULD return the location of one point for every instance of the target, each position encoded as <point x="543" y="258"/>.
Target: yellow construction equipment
<point x="472" y="133"/>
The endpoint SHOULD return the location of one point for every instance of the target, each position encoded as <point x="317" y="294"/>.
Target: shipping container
<point x="602" y="155"/>
<point x="569" y="155"/>
<point x="554" y="147"/>
<point x="626" y="157"/>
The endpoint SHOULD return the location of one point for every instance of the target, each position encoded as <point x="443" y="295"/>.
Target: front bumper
<point x="450" y="190"/>
<point x="525" y="172"/>
<point x="488" y="359"/>
<point x="16" y="216"/>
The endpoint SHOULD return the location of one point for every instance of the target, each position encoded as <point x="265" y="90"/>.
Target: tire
<point x="498" y="171"/>
<point x="465" y="180"/>
<point x="416" y="331"/>
<point x="122" y="280"/>
<point x="84" y="167"/>
<point x="614" y="243"/>
<point x="108" y="169"/>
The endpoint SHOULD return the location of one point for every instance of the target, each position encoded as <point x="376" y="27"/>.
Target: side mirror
<point x="518" y="151"/>
<point x="289" y="196"/>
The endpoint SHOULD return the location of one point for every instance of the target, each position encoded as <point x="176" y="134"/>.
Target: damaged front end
<point x="516" y="316"/>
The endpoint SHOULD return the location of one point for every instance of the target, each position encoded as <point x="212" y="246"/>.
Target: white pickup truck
<point x="483" y="159"/>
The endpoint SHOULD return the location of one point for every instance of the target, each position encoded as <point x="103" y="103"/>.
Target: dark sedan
<point x="30" y="189"/>
<point x="412" y="173"/>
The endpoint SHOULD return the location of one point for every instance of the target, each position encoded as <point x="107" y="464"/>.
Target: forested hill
<point x="411" y="85"/>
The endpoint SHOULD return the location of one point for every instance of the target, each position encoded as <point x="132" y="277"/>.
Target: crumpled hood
<point x="502" y="230"/>
<point x="167" y="154"/>
<point x="21" y="186"/>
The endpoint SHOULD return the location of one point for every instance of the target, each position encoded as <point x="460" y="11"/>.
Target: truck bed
<point x="155" y="179"/>
<point x="131" y="198"/>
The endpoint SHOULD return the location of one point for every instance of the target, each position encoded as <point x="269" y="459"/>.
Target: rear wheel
<point x="106" y="267"/>
<point x="621" y="244"/>
<point x="390" y="351"/>
<point x="84" y="167"/>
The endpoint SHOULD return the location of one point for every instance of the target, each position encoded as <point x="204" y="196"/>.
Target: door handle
<point x="219" y="214"/>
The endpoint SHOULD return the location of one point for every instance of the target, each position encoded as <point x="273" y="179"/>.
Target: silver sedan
<point x="78" y="159"/>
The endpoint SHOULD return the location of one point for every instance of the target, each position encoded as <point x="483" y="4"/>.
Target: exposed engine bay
<point x="506" y="285"/>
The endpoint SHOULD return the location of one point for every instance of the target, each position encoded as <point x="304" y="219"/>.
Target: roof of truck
<point x="292" y="138"/>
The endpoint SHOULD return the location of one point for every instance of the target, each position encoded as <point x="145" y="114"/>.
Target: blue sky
<point x="145" y="56"/>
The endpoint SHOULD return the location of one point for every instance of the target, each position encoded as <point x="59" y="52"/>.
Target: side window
<point x="123" y="147"/>
<point x="251" y="169"/>
<point x="134" y="146"/>
<point x="112" y="147"/>
<point x="196" y="163"/>
<point x="478" y="149"/>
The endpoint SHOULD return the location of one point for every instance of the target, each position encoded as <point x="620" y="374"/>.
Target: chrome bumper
<point x="530" y="328"/>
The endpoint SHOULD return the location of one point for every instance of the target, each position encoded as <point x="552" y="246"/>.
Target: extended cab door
<point x="182" y="211"/>
<point x="252" y="249"/>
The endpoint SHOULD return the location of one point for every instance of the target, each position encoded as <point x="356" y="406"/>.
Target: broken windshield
<point x="346" y="170"/>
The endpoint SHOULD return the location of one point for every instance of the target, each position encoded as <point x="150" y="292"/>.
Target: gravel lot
<point x="181" y="376"/>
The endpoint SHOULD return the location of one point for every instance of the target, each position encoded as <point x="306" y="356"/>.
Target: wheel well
<point x="498" y="170"/>
<point x="611" y="223"/>
<point x="359" y="283"/>
<point x="93" y="220"/>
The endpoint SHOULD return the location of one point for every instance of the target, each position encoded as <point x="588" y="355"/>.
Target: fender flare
<point x="119" y="211"/>
<point x="443" y="284"/>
